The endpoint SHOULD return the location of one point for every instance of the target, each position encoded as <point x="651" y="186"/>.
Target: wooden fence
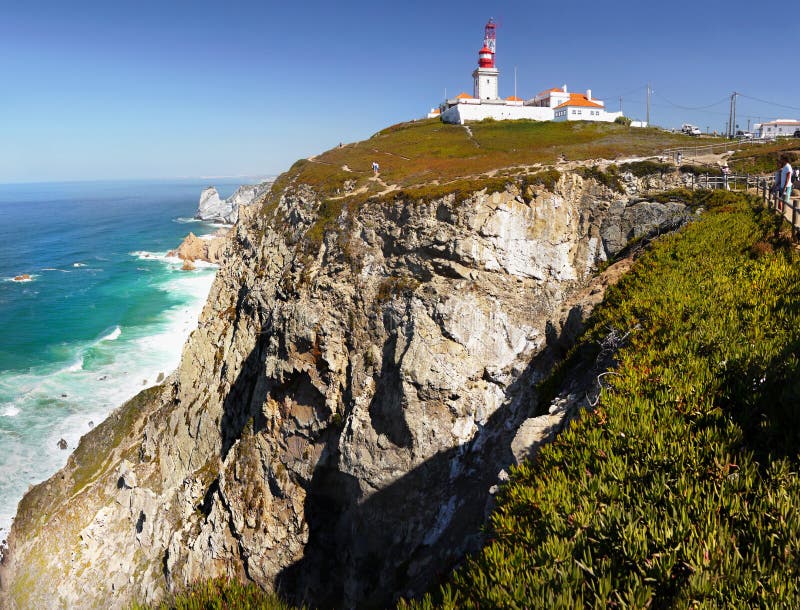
<point x="762" y="185"/>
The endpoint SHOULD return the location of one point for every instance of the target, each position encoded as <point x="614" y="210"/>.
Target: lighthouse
<point x="485" y="75"/>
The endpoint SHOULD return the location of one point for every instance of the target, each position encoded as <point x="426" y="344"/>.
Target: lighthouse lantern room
<point x="486" y="74"/>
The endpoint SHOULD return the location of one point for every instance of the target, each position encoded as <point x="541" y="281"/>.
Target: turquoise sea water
<point x="104" y="313"/>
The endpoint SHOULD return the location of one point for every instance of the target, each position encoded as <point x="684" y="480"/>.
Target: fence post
<point x="794" y="217"/>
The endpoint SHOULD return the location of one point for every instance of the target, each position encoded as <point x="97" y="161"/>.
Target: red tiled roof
<point x="513" y="98"/>
<point x="579" y="99"/>
<point x="464" y="96"/>
<point x="553" y="90"/>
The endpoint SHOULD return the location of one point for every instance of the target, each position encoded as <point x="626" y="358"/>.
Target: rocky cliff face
<point x="213" y="208"/>
<point x="344" y="407"/>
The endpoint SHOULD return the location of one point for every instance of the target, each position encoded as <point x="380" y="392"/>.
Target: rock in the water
<point x="187" y="266"/>
<point x="160" y="378"/>
<point x="23" y="277"/>
<point x="192" y="248"/>
<point x="215" y="209"/>
<point x="62" y="444"/>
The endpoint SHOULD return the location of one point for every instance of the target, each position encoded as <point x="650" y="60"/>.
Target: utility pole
<point x="730" y="132"/>
<point x="620" y="103"/>
<point x="648" y="104"/>
<point x="515" y="81"/>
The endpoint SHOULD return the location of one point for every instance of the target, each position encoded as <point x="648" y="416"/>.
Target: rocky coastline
<point x="339" y="418"/>
<point x="212" y="208"/>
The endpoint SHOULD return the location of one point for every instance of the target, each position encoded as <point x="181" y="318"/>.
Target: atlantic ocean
<point x="105" y="312"/>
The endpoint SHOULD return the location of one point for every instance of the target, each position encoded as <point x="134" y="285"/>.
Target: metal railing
<point x="732" y="182"/>
<point x="709" y="149"/>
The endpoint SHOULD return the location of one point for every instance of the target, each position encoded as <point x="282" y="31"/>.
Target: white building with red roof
<point x="556" y="104"/>
<point x="776" y="128"/>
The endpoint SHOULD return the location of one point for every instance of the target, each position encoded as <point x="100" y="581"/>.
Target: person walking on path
<point x="375" y="167"/>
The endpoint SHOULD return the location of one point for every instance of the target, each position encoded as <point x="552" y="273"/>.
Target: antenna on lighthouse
<point x="490" y="36"/>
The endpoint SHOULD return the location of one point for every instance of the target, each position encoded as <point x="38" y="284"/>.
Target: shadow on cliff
<point x="407" y="536"/>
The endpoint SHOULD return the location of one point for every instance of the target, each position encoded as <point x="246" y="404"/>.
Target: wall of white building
<point x="585" y="113"/>
<point x="775" y="129"/>
<point x="460" y="113"/>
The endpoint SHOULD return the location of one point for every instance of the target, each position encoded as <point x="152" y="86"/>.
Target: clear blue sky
<point x="119" y="89"/>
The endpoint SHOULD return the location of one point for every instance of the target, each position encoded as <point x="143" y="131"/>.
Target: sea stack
<point x="213" y="208"/>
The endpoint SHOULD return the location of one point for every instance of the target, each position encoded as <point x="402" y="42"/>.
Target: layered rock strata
<point x="343" y="408"/>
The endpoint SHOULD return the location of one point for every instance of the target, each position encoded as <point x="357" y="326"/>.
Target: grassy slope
<point x="681" y="488"/>
<point x="762" y="158"/>
<point x="418" y="153"/>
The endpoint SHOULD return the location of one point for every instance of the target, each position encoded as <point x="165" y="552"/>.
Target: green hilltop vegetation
<point x="422" y="153"/>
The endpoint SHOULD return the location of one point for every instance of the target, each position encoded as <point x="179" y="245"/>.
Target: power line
<point x="755" y="99"/>
<point x="722" y="101"/>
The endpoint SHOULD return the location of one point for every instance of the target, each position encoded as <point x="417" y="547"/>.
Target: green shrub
<point x="699" y="170"/>
<point x="608" y="178"/>
<point x="640" y="169"/>
<point x="681" y="488"/>
<point x="623" y="120"/>
<point x="547" y="178"/>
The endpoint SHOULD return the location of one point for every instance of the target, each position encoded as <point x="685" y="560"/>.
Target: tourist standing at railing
<point x="725" y="172"/>
<point x="785" y="184"/>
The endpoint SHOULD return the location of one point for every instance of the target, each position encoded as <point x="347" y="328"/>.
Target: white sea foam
<point x="44" y="405"/>
<point x="75" y="366"/>
<point x="112" y="336"/>
<point x="78" y="264"/>
<point x="53" y="269"/>
<point x="174" y="261"/>
<point x="184" y="221"/>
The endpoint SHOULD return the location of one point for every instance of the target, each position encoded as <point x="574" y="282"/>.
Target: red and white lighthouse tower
<point x="486" y="74"/>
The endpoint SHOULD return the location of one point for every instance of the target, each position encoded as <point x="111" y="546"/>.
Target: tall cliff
<point x="355" y="385"/>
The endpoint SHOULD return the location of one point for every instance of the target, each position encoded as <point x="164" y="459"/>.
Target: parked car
<point x="691" y="130"/>
<point x="745" y="135"/>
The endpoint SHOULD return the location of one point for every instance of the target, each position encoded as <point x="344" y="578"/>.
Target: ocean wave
<point x="59" y="401"/>
<point x="144" y="255"/>
<point x="54" y="269"/>
<point x="75" y="366"/>
<point x="184" y="221"/>
<point x="112" y="336"/>
<point x="78" y="264"/>
<point x="173" y="261"/>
